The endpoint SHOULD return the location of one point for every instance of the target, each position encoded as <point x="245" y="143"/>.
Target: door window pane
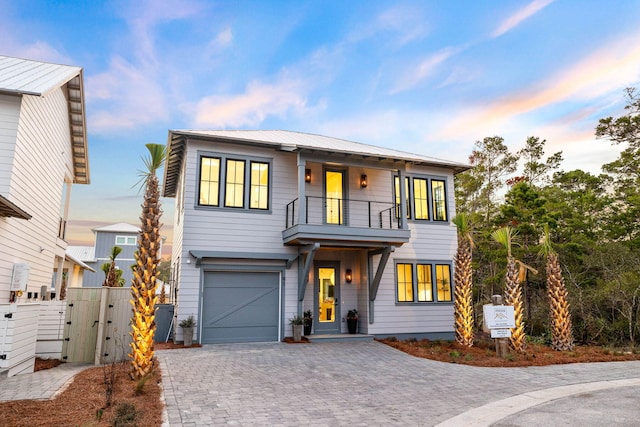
<point x="259" y="198"/>
<point x="209" y="181"/>
<point x="334" y="183"/>
<point x="405" y="282"/>
<point x="326" y="295"/>
<point x="425" y="287"/>
<point x="234" y="188"/>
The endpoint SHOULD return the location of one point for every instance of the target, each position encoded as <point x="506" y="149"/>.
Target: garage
<point x="240" y="306"/>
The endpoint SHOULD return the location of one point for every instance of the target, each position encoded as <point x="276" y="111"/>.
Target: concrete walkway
<point x="41" y="385"/>
<point x="368" y="383"/>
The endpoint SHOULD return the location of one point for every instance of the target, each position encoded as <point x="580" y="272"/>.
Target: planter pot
<point x="187" y="335"/>
<point x="307" y="327"/>
<point x="297" y="332"/>
<point x="352" y="325"/>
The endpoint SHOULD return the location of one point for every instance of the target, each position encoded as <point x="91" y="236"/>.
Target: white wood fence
<point x="50" y="329"/>
<point x="18" y="332"/>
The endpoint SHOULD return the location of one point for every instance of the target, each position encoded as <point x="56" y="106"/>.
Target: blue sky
<point x="430" y="77"/>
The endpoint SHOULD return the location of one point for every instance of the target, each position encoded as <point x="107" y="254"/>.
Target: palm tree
<point x="463" y="279"/>
<point x="561" y="328"/>
<point x="112" y="274"/>
<point x="143" y="287"/>
<point x="513" y="288"/>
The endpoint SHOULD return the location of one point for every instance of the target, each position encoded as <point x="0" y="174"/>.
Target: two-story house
<point x="270" y="224"/>
<point x="123" y="235"/>
<point x="43" y="153"/>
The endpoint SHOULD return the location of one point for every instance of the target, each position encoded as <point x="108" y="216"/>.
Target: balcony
<point x="344" y="223"/>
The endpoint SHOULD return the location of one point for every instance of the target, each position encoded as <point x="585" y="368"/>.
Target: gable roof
<point x="25" y="77"/>
<point x="71" y="255"/>
<point x="288" y="141"/>
<point x="82" y="253"/>
<point x="121" y="227"/>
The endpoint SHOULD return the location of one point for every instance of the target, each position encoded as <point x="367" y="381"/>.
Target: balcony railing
<point x="344" y="212"/>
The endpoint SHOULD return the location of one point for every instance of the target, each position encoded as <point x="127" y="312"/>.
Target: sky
<point x="427" y="77"/>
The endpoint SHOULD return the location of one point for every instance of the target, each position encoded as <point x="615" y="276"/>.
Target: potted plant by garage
<point x="297" y="323"/>
<point x="352" y="321"/>
<point x="187" y="326"/>
<point x="308" y="322"/>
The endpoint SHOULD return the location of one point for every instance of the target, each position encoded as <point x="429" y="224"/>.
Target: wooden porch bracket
<point x="375" y="283"/>
<point x="303" y="278"/>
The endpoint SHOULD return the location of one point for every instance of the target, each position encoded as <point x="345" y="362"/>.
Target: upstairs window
<point x="426" y="198"/>
<point x="126" y="240"/>
<point x="234" y="183"/>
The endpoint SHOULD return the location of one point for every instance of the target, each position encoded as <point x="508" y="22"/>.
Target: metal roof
<point x="69" y="256"/>
<point x="82" y="253"/>
<point x="121" y="227"/>
<point x="288" y="141"/>
<point x="34" y="78"/>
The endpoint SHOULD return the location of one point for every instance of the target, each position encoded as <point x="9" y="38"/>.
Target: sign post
<point x="499" y="319"/>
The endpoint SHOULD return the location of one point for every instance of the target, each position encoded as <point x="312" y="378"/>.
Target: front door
<point x="334" y="195"/>
<point x="327" y="298"/>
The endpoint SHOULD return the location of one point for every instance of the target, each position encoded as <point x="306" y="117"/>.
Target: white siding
<point x="9" y="114"/>
<point x="42" y="159"/>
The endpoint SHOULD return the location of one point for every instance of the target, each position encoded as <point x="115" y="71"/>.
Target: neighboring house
<point x="123" y="235"/>
<point x="269" y="224"/>
<point x="44" y="152"/>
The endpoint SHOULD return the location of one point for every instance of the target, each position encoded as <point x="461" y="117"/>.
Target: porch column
<point x="403" y="200"/>
<point x="302" y="202"/>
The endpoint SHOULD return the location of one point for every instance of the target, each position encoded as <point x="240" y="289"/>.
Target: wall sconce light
<point x="363" y="181"/>
<point x="348" y="275"/>
<point x="307" y="175"/>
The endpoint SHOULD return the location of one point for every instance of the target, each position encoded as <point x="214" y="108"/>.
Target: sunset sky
<point x="428" y="77"/>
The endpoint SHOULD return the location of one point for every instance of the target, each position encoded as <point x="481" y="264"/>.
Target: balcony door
<point x="334" y="196"/>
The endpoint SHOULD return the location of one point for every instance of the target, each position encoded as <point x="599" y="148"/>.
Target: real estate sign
<point x="499" y="316"/>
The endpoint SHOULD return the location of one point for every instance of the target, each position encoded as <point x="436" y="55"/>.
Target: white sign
<point x="499" y="316"/>
<point x="501" y="333"/>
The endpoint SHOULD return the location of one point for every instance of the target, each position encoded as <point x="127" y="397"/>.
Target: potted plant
<point x="187" y="326"/>
<point x="308" y="322"/>
<point x="297" y="323"/>
<point x="352" y="321"/>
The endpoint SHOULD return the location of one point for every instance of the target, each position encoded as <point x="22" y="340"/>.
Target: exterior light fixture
<point x="348" y="275"/>
<point x="363" y="181"/>
<point x="307" y="175"/>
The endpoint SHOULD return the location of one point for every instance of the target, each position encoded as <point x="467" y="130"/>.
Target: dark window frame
<point x="411" y="205"/>
<point x="414" y="285"/>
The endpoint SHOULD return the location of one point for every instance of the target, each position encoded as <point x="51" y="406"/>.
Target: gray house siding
<point x="105" y="241"/>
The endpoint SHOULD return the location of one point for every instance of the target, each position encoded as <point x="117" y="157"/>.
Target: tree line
<point x="593" y="230"/>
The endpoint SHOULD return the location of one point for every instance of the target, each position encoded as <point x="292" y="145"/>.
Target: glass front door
<point x="327" y="299"/>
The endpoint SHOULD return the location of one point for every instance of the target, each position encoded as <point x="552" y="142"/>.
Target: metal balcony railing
<point x="344" y="212"/>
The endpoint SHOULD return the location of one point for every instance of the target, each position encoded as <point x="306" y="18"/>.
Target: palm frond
<point x="505" y="236"/>
<point x="153" y="161"/>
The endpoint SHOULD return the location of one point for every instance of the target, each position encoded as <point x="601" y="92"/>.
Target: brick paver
<point x="350" y="383"/>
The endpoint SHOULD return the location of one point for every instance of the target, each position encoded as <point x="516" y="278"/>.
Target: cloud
<point x="425" y="68"/>
<point x="514" y="20"/>
<point x="608" y="69"/>
<point x="250" y="108"/>
<point x="400" y="25"/>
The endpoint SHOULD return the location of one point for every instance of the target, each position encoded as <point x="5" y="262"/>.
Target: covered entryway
<point x="240" y="306"/>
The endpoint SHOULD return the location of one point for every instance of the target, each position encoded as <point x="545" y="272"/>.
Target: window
<point x="432" y="280"/>
<point x="234" y="183"/>
<point x="126" y="240"/>
<point x="209" y="181"/>
<point x="420" y="199"/>
<point x="259" y="186"/>
<point x="439" y="200"/>
<point x="426" y="198"/>
<point x="405" y="282"/>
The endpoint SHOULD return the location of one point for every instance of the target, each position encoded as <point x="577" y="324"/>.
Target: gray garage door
<point x="240" y="307"/>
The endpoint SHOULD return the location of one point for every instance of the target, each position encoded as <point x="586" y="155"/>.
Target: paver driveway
<point x="350" y="383"/>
